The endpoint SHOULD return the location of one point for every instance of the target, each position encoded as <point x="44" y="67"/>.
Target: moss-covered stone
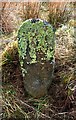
<point x="36" y="53"/>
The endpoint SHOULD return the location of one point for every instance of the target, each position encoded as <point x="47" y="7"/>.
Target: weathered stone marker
<point x="36" y="53"/>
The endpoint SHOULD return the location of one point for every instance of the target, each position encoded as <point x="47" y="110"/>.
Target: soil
<point x="60" y="104"/>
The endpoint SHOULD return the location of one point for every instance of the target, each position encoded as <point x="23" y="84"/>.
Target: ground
<point x="59" y="103"/>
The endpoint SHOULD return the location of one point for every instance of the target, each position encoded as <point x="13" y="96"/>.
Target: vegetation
<point x="23" y="11"/>
<point x="35" y="36"/>
<point x="58" y="13"/>
<point x="60" y="102"/>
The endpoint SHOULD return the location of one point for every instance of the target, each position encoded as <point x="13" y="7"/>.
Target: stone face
<point x="36" y="53"/>
<point x="38" y="78"/>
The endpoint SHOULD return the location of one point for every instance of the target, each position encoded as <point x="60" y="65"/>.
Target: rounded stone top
<point x="35" y="41"/>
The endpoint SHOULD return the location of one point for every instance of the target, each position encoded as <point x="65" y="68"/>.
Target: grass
<point x="60" y="101"/>
<point x="12" y="13"/>
<point x="8" y="57"/>
<point x="58" y="13"/>
<point x="13" y="107"/>
<point x="18" y="105"/>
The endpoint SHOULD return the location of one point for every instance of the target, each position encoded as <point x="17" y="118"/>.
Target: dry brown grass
<point x="12" y="13"/>
<point x="54" y="6"/>
<point x="57" y="13"/>
<point x="5" y="21"/>
<point x="32" y="10"/>
<point x="9" y="20"/>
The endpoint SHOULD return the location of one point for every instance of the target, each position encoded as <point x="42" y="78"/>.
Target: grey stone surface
<point x="37" y="61"/>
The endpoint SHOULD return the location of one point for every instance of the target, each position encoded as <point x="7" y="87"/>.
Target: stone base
<point x="38" y="78"/>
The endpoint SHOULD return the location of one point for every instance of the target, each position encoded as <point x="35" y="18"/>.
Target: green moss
<point x="34" y="38"/>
